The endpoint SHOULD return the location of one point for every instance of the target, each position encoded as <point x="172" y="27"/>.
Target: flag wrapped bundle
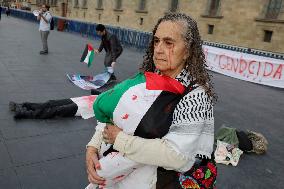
<point x="88" y="55"/>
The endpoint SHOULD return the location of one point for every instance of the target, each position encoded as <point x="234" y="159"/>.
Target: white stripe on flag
<point x="132" y="106"/>
<point x="87" y="57"/>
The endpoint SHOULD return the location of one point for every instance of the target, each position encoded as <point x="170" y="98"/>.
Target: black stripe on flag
<point x="84" y="54"/>
<point x="158" y="119"/>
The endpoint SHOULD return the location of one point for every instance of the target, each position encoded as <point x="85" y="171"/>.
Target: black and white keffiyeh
<point x="192" y="131"/>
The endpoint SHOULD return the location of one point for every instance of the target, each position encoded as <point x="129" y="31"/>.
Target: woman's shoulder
<point x="193" y="106"/>
<point x="197" y="92"/>
<point x="197" y="97"/>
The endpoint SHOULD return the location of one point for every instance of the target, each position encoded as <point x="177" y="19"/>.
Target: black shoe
<point x="112" y="77"/>
<point x="43" y="52"/>
<point x="21" y="113"/>
<point x="95" y="92"/>
<point x="13" y="106"/>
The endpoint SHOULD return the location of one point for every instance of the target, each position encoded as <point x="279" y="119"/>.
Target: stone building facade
<point x="255" y="24"/>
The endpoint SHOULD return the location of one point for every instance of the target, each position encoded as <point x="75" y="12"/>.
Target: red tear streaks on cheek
<point x="170" y="55"/>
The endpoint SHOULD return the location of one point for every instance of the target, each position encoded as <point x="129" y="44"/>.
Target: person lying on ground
<point x="77" y="106"/>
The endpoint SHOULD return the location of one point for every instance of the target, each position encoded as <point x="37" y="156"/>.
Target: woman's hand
<point x="92" y="163"/>
<point x="110" y="133"/>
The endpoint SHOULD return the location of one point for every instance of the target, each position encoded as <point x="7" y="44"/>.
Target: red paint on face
<point x="169" y="48"/>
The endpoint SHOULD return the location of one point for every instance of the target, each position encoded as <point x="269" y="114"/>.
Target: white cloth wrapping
<point x="227" y="153"/>
<point x="191" y="134"/>
<point x="118" y="170"/>
<point x="121" y="172"/>
<point x="85" y="106"/>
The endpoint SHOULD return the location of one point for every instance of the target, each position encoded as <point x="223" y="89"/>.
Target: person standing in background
<point x="0" y="12"/>
<point x="8" y="11"/>
<point x="112" y="47"/>
<point x="44" y="26"/>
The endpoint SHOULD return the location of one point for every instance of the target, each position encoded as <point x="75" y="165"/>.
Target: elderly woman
<point x="180" y="145"/>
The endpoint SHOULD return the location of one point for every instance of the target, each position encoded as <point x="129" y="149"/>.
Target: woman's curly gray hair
<point x="195" y="63"/>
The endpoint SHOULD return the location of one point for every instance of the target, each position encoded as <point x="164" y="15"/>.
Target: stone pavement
<point x="49" y="154"/>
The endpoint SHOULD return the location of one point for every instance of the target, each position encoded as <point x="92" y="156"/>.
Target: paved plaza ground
<point x="49" y="154"/>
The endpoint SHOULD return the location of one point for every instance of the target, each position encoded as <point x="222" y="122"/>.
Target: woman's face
<point x="43" y="8"/>
<point x="170" y="51"/>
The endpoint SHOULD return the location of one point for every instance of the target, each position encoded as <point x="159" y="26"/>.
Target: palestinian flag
<point x="88" y="55"/>
<point x="141" y="106"/>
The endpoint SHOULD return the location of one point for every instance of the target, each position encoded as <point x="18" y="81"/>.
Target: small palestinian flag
<point x="88" y="55"/>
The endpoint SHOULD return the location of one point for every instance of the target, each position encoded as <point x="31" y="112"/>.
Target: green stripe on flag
<point x="91" y="58"/>
<point x="107" y="101"/>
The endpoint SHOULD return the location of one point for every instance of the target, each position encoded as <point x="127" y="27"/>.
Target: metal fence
<point x="131" y="37"/>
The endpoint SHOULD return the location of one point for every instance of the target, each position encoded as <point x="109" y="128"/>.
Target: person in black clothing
<point x="47" y="110"/>
<point x="112" y="47"/>
<point x="8" y="11"/>
<point x="0" y="12"/>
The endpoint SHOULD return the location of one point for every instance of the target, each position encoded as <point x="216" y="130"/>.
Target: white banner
<point x="253" y="68"/>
